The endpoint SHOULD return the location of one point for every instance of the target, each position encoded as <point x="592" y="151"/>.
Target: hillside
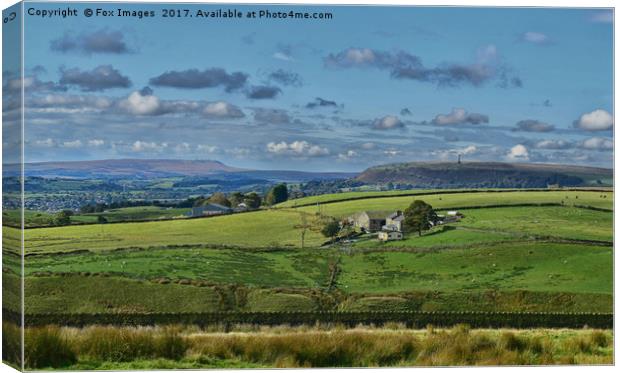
<point x="122" y="168"/>
<point x="159" y="168"/>
<point x="485" y="175"/>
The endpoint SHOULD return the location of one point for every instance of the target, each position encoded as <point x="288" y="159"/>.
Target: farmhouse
<point x="389" y="225"/>
<point x="242" y="207"/>
<point x="209" y="209"/>
<point x="369" y="221"/>
<point x="394" y="222"/>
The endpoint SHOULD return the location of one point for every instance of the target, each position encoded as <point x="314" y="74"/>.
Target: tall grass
<point x="47" y="347"/>
<point x="11" y="344"/>
<point x="310" y="346"/>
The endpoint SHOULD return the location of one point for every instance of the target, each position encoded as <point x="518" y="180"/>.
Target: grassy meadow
<point x="267" y="228"/>
<point x="254" y="261"/>
<point x="460" y="200"/>
<point x="533" y="266"/>
<point x="281" y="227"/>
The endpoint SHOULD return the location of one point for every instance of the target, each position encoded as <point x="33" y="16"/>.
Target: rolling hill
<point x="485" y="175"/>
<point x="157" y="168"/>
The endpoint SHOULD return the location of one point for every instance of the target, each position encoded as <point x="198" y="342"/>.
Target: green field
<point x="281" y="227"/>
<point x="302" y="269"/>
<point x="252" y="229"/>
<point x="496" y="258"/>
<point x="424" y="194"/>
<point x="531" y="266"/>
<point x="564" y="222"/>
<point x="446" y="201"/>
<point x="446" y="236"/>
<point x="333" y="197"/>
<point x="43" y="219"/>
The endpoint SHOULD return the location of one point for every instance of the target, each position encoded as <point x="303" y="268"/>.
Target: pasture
<point x="266" y="228"/>
<point x="564" y="222"/>
<point x="496" y="258"/>
<point x="460" y="200"/>
<point x="281" y="227"/>
<point x="294" y="269"/>
<point x="526" y="266"/>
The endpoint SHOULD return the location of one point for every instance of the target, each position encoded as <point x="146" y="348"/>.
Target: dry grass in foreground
<point x="99" y="347"/>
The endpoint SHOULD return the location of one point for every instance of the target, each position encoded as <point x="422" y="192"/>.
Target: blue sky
<point x="371" y="85"/>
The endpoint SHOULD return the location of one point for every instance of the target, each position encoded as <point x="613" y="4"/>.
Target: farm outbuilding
<point x="390" y="235"/>
<point x="209" y="209"/>
<point x="370" y="221"/>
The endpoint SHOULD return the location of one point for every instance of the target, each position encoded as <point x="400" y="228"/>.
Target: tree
<point x="331" y="229"/>
<point x="63" y="217"/>
<point x="277" y="194"/>
<point x="101" y="219"/>
<point x="235" y="199"/>
<point x="220" y="199"/>
<point x="252" y="200"/>
<point x="419" y="216"/>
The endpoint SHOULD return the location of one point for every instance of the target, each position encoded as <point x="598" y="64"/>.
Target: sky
<point x="370" y="85"/>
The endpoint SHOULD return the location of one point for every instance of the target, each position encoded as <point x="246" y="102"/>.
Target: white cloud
<point x="72" y="101"/>
<point x="182" y="147"/>
<point x="47" y="143"/>
<point x="597" y="120"/>
<point x="282" y="56"/>
<point x="207" y="148"/>
<point x="391" y="152"/>
<point x="348" y="155"/>
<point x="553" y="144"/>
<point x="368" y="145"/>
<point x="459" y="116"/>
<point x="145" y="146"/>
<point x="239" y="152"/>
<point x="72" y="144"/>
<point x="297" y="148"/>
<point x="221" y="109"/>
<point x="535" y="37"/>
<point x="453" y="153"/>
<point x="95" y="142"/>
<point x="597" y="143"/>
<point x="471" y="149"/>
<point x="518" y="153"/>
<point x="357" y="56"/>
<point x="139" y="104"/>
<point x="387" y="123"/>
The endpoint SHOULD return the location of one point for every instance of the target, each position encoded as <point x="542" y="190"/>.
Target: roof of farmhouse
<point x="374" y="214"/>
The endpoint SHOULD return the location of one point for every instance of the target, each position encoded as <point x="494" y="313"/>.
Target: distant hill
<point x="155" y="168"/>
<point x="485" y="175"/>
<point x="122" y="168"/>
